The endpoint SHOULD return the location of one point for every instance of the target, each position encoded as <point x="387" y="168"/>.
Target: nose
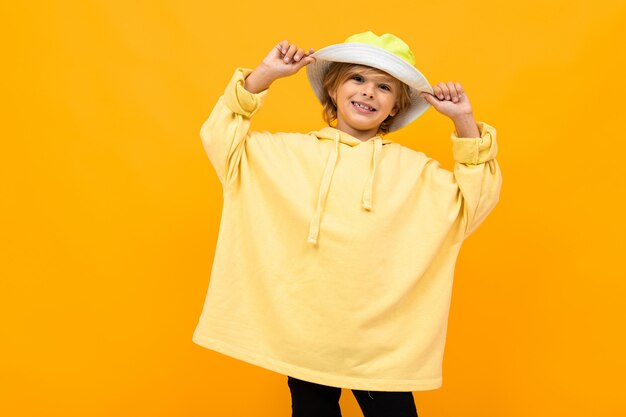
<point x="367" y="90"/>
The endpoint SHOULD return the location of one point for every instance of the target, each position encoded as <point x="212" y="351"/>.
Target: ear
<point x="333" y="97"/>
<point x="394" y="111"/>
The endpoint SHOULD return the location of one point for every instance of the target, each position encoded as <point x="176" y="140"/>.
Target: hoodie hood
<point x="337" y="136"/>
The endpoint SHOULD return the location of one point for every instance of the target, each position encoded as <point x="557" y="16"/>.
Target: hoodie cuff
<point x="238" y="99"/>
<point x="475" y="151"/>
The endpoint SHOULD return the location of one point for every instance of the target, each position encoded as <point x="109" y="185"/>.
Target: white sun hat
<point x="387" y="53"/>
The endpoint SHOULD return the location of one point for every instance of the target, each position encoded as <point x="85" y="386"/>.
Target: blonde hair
<point x="337" y="73"/>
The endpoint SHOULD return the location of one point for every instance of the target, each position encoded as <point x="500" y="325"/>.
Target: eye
<point x="385" y="87"/>
<point x="357" y="78"/>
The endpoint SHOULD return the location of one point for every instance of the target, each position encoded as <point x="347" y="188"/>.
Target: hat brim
<point x="372" y="56"/>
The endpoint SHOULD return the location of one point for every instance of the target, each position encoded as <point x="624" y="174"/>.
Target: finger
<point x="438" y="92"/>
<point x="429" y="98"/>
<point x="459" y="89"/>
<point x="445" y="90"/>
<point x="453" y="94"/>
<point x="304" y="61"/>
<point x="282" y="46"/>
<point x="290" y="52"/>
<point x="459" y="92"/>
<point x="299" y="54"/>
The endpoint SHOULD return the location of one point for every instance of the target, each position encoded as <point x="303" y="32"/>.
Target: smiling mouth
<point x="363" y="106"/>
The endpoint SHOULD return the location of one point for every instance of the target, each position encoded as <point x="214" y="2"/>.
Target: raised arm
<point x="224" y="133"/>
<point x="474" y="147"/>
<point x="477" y="174"/>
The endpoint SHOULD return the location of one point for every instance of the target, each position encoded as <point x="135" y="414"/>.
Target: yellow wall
<point x="110" y="208"/>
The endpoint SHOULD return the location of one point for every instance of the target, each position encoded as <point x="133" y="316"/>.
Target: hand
<point x="286" y="59"/>
<point x="449" y="99"/>
<point x="277" y="65"/>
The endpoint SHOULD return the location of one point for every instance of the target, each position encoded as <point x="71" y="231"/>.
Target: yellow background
<point x="110" y="208"/>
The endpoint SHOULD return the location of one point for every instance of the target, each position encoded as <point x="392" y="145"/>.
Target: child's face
<point x="369" y="87"/>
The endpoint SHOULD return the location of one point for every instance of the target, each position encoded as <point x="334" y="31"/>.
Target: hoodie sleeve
<point x="477" y="174"/>
<point x="224" y="133"/>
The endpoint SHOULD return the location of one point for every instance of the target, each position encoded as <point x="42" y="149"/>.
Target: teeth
<point x="363" y="107"/>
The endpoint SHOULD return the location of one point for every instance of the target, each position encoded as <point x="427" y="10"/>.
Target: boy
<point x="363" y="301"/>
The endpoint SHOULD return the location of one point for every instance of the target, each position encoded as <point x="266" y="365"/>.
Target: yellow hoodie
<point x="335" y="256"/>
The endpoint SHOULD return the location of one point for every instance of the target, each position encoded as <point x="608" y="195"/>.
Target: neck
<point x="362" y="135"/>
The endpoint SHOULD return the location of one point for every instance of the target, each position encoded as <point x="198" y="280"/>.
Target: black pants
<point x="309" y="399"/>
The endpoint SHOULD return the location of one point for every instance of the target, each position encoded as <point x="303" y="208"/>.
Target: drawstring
<point x="314" y="228"/>
<point x="367" y="191"/>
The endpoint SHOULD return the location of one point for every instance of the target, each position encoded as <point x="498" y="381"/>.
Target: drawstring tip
<point x="367" y="205"/>
<point x="312" y="240"/>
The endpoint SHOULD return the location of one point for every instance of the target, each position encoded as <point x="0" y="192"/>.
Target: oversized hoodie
<point x="335" y="256"/>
